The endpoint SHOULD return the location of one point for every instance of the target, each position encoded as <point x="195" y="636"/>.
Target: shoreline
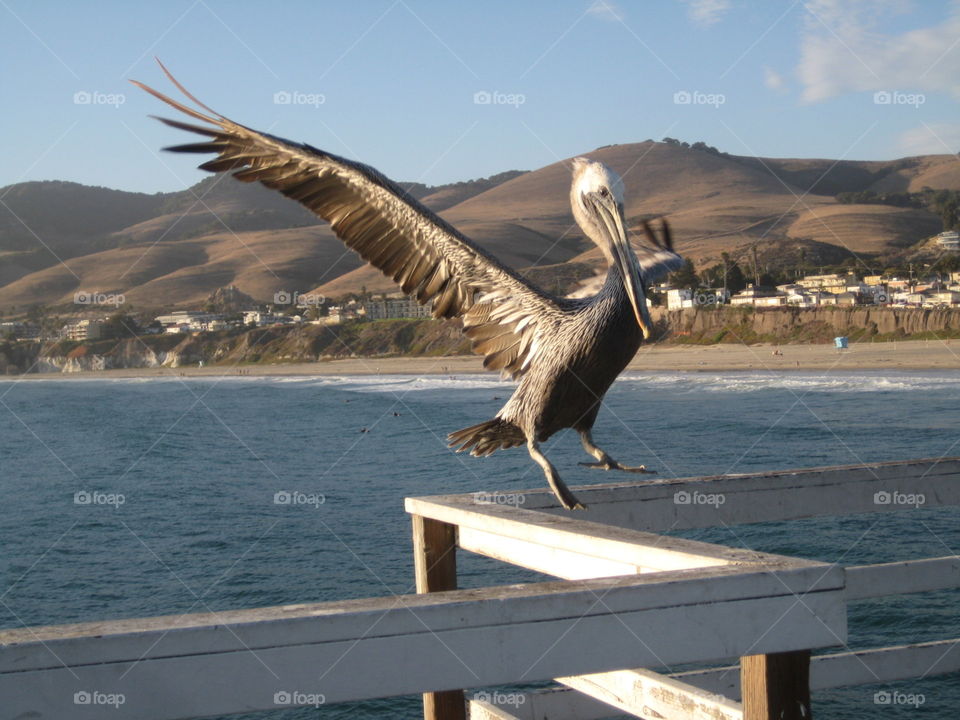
<point x="897" y="356"/>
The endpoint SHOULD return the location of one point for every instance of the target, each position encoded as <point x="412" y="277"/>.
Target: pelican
<point x="564" y="352"/>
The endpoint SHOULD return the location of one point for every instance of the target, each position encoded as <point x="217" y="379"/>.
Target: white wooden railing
<point x="627" y="598"/>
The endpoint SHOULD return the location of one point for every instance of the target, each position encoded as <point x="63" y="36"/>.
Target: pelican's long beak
<point x="626" y="261"/>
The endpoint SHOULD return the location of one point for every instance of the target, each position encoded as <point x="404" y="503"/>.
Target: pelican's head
<point x="597" y="201"/>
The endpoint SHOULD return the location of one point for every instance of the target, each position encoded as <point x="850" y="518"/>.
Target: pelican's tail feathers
<point x="487" y="437"/>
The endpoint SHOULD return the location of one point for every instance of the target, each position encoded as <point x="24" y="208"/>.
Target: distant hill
<point x="175" y="249"/>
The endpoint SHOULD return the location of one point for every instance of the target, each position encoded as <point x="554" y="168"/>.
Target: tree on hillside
<point x="685" y="277"/>
<point x="121" y="325"/>
<point x="726" y="274"/>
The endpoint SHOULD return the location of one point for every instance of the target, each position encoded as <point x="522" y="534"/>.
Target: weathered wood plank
<point x="861" y="667"/>
<point x="542" y="558"/>
<point x="900" y="578"/>
<point x="776" y="686"/>
<point x="648" y="694"/>
<point x="428" y="642"/>
<point x="435" y="568"/>
<point x="660" y="505"/>
<point x="271" y="627"/>
<point x="570" y="533"/>
<point x="555" y="703"/>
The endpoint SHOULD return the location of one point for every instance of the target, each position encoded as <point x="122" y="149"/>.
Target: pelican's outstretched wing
<point x="656" y="260"/>
<point x="502" y="313"/>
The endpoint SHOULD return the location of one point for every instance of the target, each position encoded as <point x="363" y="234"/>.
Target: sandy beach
<point x="911" y="355"/>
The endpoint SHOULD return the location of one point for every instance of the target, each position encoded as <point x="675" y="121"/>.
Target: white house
<point x="949" y="240"/>
<point x="679" y="298"/>
<point x="396" y="305"/>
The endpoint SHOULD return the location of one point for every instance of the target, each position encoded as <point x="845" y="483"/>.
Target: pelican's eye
<point x="604" y="192"/>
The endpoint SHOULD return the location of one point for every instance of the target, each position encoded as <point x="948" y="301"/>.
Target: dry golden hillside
<point x="865" y="228"/>
<point x="173" y="251"/>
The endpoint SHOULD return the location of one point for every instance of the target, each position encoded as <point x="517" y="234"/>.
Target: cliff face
<point x="784" y="325"/>
<point x="312" y="343"/>
<point x="308" y="343"/>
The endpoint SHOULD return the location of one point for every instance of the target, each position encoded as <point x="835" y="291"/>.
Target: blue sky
<point x="443" y="91"/>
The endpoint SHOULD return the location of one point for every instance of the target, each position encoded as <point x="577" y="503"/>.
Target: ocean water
<point x="200" y="461"/>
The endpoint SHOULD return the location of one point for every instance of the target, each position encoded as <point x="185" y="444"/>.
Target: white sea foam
<point x="727" y="382"/>
<point x="845" y="382"/>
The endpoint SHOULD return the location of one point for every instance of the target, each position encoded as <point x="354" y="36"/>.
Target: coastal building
<point x="262" y="318"/>
<point x="679" y="298"/>
<point x="396" y="305"/>
<point x="943" y="297"/>
<point x="949" y="240"/>
<point x="19" y="330"/>
<point x="835" y="283"/>
<point x="82" y="330"/>
<point x="751" y="295"/>
<point x="182" y="321"/>
<point x="337" y="314"/>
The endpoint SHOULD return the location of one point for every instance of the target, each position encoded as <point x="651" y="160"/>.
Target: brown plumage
<point x="565" y="352"/>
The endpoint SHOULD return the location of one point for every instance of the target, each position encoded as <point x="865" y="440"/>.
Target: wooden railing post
<point x="776" y="686"/>
<point x="435" y="565"/>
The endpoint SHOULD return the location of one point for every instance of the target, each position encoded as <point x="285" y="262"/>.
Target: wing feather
<point x="504" y="314"/>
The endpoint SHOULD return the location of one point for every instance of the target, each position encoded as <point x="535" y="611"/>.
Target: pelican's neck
<point x="589" y="227"/>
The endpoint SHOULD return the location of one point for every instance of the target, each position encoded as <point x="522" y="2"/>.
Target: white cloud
<point x="772" y="79"/>
<point x="841" y="51"/>
<point x="933" y="139"/>
<point x="706" y="12"/>
<point x="605" y="10"/>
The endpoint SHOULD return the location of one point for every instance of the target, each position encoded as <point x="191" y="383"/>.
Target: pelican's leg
<point x="604" y="461"/>
<point x="559" y="488"/>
